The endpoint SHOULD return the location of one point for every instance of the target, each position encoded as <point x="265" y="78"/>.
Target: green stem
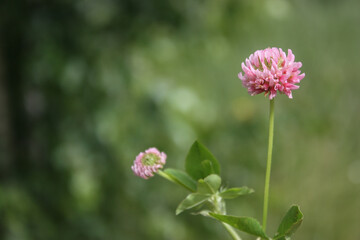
<point x="231" y="231"/>
<point x="220" y="208"/>
<point x="164" y="175"/>
<point x="268" y="164"/>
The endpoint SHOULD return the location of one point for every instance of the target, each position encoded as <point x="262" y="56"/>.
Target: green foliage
<point x="289" y="224"/>
<point x="209" y="185"/>
<point x="245" y="224"/>
<point x="192" y="200"/>
<point x="206" y="190"/>
<point x="181" y="178"/>
<point x="235" y="192"/>
<point x="201" y="168"/>
<point x="200" y="162"/>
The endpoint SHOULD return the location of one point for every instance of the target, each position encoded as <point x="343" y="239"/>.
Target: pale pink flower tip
<point x="271" y="71"/>
<point x="148" y="163"/>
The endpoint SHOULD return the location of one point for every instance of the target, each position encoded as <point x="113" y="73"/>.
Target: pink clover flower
<point x="271" y="71"/>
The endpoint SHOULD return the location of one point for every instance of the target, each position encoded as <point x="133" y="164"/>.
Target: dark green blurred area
<point x="86" y="85"/>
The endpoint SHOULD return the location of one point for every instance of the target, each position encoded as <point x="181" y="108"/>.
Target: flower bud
<point x="148" y="163"/>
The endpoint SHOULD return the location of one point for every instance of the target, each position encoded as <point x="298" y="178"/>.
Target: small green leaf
<point x="245" y="224"/>
<point x="203" y="187"/>
<point x="235" y="192"/>
<point x="290" y="223"/>
<point x="181" y="178"/>
<point x="209" y="185"/>
<point x="200" y="162"/>
<point x="206" y="206"/>
<point x="214" y="182"/>
<point x="192" y="200"/>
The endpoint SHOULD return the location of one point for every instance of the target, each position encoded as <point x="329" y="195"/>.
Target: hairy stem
<point x="220" y="208"/>
<point x="231" y="231"/>
<point x="268" y="164"/>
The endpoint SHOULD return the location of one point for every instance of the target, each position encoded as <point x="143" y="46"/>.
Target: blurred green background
<point x="86" y="85"/>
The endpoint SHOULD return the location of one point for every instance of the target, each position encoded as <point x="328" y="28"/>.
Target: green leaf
<point x="209" y="185"/>
<point x="191" y="201"/>
<point x="235" y="192"/>
<point x="245" y="224"/>
<point x="200" y="162"/>
<point x="290" y="223"/>
<point x="214" y="182"/>
<point x="203" y="187"/>
<point x="181" y="178"/>
<point x="207" y="166"/>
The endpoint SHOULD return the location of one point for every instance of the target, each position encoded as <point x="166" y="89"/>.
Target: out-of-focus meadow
<point x="86" y="85"/>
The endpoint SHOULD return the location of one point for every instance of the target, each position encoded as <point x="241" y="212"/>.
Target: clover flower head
<point x="149" y="162"/>
<point x="271" y="71"/>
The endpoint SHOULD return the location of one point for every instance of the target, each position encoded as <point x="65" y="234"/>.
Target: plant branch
<point x="231" y="231"/>
<point x="268" y="164"/>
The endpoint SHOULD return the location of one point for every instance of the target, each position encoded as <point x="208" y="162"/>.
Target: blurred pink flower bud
<point x="271" y="71"/>
<point x="148" y="163"/>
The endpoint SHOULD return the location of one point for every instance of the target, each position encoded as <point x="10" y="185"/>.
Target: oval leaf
<point x="235" y="192"/>
<point x="203" y="187"/>
<point x="209" y="185"/>
<point x="192" y="200"/>
<point x="181" y="178"/>
<point x="290" y="223"/>
<point x="200" y="162"/>
<point x="245" y="224"/>
<point x="214" y="182"/>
